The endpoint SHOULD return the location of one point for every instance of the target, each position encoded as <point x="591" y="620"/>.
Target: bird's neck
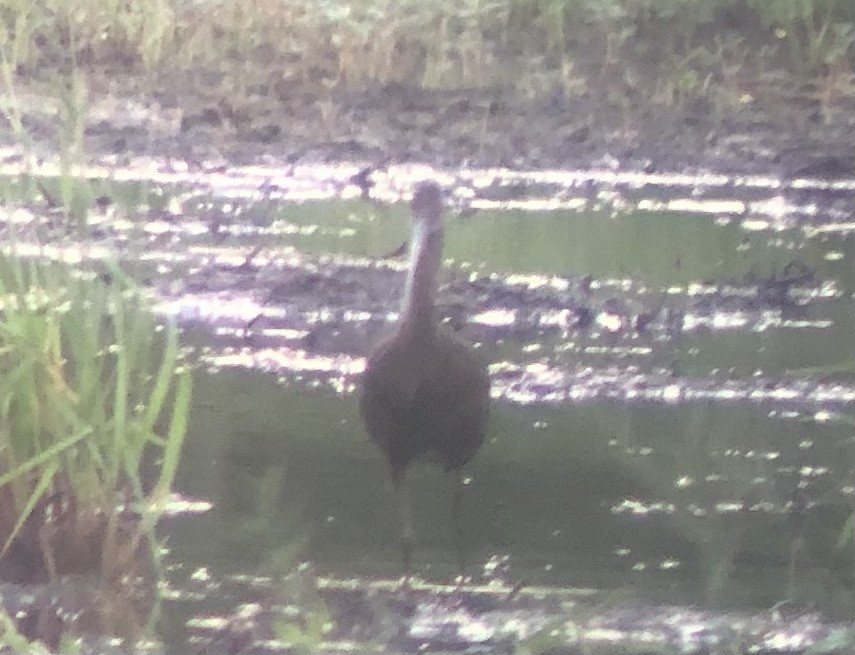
<point x="417" y="310"/>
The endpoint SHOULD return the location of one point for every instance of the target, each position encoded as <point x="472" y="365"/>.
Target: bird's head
<point x="427" y="205"/>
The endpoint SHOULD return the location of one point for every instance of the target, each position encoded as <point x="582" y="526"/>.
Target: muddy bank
<point x="494" y="618"/>
<point x="762" y="122"/>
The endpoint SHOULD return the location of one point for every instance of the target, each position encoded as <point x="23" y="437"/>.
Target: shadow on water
<point x="601" y="494"/>
<point x="671" y="374"/>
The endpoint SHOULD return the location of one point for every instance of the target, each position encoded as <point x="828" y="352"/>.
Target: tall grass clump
<point x="93" y="411"/>
<point x="273" y="47"/>
<point x="818" y="33"/>
<point x="51" y="32"/>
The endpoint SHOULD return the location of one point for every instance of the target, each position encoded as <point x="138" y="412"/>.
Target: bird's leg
<point x="457" y="520"/>
<point x="402" y="494"/>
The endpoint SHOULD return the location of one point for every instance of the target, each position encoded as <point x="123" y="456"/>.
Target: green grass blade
<point x="175" y="436"/>
<point x="43" y="457"/>
<point x="163" y="379"/>
<point x="46" y="479"/>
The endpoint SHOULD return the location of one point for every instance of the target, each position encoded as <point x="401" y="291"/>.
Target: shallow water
<point x="671" y="366"/>
<point x="650" y="418"/>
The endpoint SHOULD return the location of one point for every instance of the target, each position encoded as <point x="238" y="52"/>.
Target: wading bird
<point x="425" y="395"/>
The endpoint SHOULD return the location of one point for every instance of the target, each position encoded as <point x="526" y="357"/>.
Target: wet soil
<point x="761" y="120"/>
<point x="494" y="617"/>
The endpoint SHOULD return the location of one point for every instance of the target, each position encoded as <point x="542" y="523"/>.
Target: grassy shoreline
<point x="525" y="83"/>
<point x="534" y="46"/>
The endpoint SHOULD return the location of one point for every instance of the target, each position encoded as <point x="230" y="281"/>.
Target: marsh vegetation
<point x="669" y="328"/>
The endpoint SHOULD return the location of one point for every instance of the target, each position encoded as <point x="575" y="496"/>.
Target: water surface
<point x="671" y="361"/>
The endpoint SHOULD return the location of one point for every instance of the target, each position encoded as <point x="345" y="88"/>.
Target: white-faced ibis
<point x="425" y="395"/>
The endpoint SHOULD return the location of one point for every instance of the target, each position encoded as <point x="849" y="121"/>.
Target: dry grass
<point x="438" y="44"/>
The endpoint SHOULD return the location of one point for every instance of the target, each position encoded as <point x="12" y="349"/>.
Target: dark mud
<point x="771" y="124"/>
<point x="491" y="618"/>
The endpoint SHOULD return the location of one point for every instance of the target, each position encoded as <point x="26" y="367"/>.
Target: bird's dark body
<point x="425" y="399"/>
<point x="425" y="395"/>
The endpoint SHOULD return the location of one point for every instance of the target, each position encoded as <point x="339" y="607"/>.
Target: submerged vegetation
<point x="93" y="411"/>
